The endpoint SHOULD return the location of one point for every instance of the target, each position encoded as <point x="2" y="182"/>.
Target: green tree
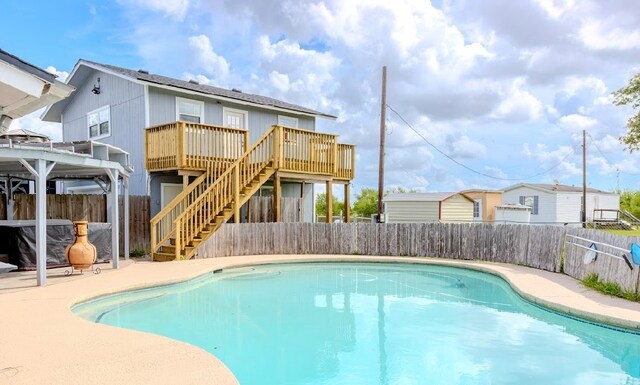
<point x="366" y="203"/>
<point x="630" y="201"/>
<point x="400" y="190"/>
<point x="321" y="205"/>
<point x="630" y="95"/>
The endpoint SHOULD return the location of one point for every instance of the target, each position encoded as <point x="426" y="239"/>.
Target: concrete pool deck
<point x="42" y="342"/>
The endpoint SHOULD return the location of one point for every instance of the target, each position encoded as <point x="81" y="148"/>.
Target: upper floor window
<point x="287" y="121"/>
<point x="234" y="118"/>
<point x="531" y="201"/>
<point x="98" y="122"/>
<point x="188" y="110"/>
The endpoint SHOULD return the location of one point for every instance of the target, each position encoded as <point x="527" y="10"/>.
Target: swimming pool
<point x="351" y="323"/>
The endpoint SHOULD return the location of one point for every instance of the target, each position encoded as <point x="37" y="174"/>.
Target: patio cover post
<point x="112" y="209"/>
<point x="125" y="183"/>
<point x="40" y="173"/>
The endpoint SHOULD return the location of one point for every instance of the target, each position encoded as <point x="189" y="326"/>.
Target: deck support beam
<point x="347" y="202"/>
<point x="329" y="196"/>
<point x="277" y="192"/>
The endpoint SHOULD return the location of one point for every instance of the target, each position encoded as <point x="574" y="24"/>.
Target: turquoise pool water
<point x="387" y="324"/>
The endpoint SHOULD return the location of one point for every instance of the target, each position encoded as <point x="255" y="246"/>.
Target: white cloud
<point x="32" y="122"/>
<point x="518" y="104"/>
<point x="560" y="159"/>
<point x="206" y="58"/>
<point x="576" y="122"/>
<point x="555" y="8"/>
<point x="175" y="9"/>
<point x="463" y="147"/>
<point x="603" y="35"/>
<point x="60" y="75"/>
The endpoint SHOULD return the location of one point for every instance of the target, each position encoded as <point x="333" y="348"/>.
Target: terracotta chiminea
<point x="81" y="254"/>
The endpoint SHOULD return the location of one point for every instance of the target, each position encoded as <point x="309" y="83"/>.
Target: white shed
<point x="513" y="213"/>
<point x="428" y="207"/>
<point x="559" y="204"/>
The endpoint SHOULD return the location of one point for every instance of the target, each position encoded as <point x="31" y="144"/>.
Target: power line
<point x="469" y="168"/>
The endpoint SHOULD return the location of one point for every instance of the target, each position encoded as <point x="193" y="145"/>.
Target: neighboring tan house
<point x="184" y="137"/>
<point x="484" y="204"/>
<point x="428" y="207"/>
<point x="559" y="204"/>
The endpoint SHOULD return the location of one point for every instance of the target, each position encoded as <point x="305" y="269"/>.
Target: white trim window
<point x="233" y="118"/>
<point x="99" y="123"/>
<point x="287" y="121"/>
<point x="189" y="110"/>
<point x="476" y="209"/>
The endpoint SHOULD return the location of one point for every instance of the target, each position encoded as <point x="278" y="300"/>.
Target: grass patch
<point x="628" y="233"/>
<point x="592" y="281"/>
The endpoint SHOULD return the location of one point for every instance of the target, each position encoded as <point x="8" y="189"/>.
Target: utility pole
<point x="584" y="179"/>
<point x="383" y="117"/>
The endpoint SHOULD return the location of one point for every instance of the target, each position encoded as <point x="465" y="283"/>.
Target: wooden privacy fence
<point x="541" y="247"/>
<point x="92" y="208"/>
<point x="535" y="246"/>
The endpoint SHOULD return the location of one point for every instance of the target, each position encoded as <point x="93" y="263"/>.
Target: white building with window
<point x="558" y="204"/>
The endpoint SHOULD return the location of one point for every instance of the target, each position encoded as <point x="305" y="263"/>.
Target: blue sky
<point x="503" y="87"/>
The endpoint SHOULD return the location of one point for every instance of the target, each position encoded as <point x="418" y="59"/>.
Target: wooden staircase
<point x="211" y="200"/>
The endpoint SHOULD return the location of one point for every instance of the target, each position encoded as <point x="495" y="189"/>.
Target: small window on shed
<point x="531" y="201"/>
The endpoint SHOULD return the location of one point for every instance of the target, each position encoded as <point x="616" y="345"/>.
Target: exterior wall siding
<point x="457" y="209"/>
<point x="489" y="202"/>
<point x="416" y="212"/>
<point x="568" y="207"/>
<point x="546" y="203"/>
<point x="126" y="101"/>
<point x="162" y="110"/>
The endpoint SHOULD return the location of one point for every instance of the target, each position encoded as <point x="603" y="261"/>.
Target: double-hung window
<point x="476" y="209"/>
<point x="99" y="123"/>
<point x="188" y="110"/>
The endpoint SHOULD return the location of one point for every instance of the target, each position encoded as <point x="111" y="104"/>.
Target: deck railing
<point x="193" y="146"/>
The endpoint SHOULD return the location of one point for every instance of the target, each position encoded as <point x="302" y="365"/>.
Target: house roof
<point x="556" y="188"/>
<point x="26" y="66"/>
<point x="420" y="197"/>
<point x="514" y="206"/>
<point x="145" y="77"/>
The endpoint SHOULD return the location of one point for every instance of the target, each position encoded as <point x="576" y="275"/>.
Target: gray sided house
<point x="114" y="105"/>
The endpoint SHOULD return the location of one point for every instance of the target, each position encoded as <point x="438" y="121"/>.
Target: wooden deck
<point x="202" y="147"/>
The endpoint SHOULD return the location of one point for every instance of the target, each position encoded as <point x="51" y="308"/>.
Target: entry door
<point x="168" y="191"/>
<point x="234" y="118"/>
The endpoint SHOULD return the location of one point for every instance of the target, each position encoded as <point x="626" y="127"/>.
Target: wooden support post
<point x="236" y="194"/>
<point x="178" y="245"/>
<point x="347" y="202"/>
<point x="185" y="181"/>
<point x="182" y="156"/>
<point x="246" y="141"/>
<point x="281" y="146"/>
<point x="329" y="195"/>
<point x="335" y="156"/>
<point x="276" y="147"/>
<point x="276" y="197"/>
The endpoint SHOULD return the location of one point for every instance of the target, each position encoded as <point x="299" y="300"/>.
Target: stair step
<point x="163" y="257"/>
<point x="171" y="249"/>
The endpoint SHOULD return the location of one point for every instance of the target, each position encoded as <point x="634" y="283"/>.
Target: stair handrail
<point x="631" y="216"/>
<point x="233" y="168"/>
